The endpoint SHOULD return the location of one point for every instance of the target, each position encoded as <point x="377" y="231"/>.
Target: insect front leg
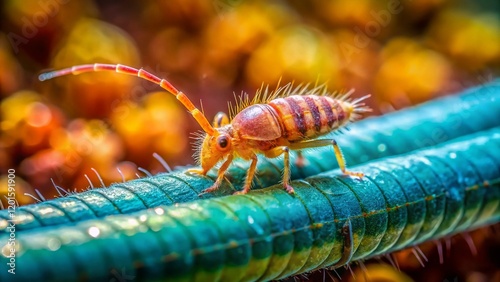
<point x="275" y="152"/>
<point x="326" y="142"/>
<point x="220" y="176"/>
<point x="250" y="175"/>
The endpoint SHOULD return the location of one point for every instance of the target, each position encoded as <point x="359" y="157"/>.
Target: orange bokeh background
<point x="402" y="52"/>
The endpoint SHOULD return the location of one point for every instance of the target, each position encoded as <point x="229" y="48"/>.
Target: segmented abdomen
<point x="309" y="116"/>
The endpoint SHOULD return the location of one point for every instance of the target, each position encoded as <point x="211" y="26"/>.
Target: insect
<point x="272" y="123"/>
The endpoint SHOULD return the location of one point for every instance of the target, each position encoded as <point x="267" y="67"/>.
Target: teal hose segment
<point x="396" y="133"/>
<point x="269" y="234"/>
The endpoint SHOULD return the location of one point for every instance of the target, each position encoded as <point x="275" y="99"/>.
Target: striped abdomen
<point x="309" y="116"/>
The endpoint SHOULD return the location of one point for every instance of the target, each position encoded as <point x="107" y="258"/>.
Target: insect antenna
<point x="163" y="83"/>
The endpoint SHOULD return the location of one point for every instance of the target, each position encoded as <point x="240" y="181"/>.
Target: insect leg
<point x="275" y="152"/>
<point x="326" y="142"/>
<point x="220" y="176"/>
<point x="250" y="174"/>
<point x="348" y="245"/>
<point x="341" y="160"/>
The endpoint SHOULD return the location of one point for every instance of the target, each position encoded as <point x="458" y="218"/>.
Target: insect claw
<point x="242" y="192"/>
<point x="209" y="190"/>
<point x="203" y="192"/>
<point x="359" y="174"/>
<point x="289" y="189"/>
<point x="355" y="174"/>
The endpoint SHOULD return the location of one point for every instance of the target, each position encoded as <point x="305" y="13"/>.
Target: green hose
<point x="270" y="234"/>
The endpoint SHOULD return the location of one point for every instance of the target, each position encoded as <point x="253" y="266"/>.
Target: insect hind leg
<point x="341" y="161"/>
<point x="327" y="142"/>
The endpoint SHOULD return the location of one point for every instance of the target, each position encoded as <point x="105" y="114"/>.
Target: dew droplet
<point x="54" y="244"/>
<point x="94" y="231"/>
<point x="159" y="211"/>
<point x="382" y="147"/>
<point x="250" y="220"/>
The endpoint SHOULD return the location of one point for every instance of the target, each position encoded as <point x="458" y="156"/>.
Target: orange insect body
<point x="310" y="116"/>
<point x="272" y="124"/>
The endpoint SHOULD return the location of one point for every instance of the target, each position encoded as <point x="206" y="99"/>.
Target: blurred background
<point x="402" y="52"/>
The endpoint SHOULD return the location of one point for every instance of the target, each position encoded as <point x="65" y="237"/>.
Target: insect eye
<point x="222" y="142"/>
